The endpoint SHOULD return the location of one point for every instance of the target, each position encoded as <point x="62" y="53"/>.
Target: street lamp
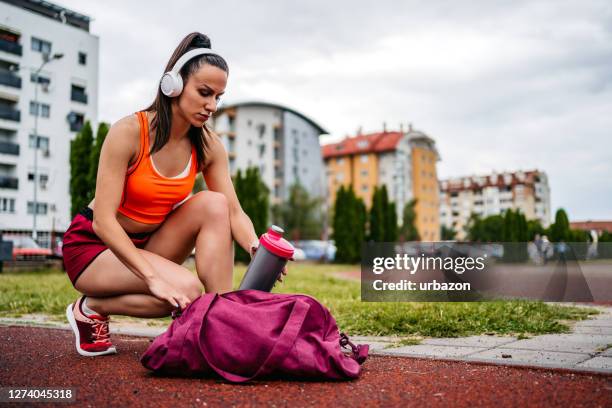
<point x="46" y="60"/>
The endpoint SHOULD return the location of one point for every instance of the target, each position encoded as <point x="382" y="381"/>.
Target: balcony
<point x="9" y="148"/>
<point x="75" y="127"/>
<point x="9" y="182"/>
<point x="9" y="79"/>
<point x="10" y="113"/>
<point x="11" y="47"/>
<point x="78" y="96"/>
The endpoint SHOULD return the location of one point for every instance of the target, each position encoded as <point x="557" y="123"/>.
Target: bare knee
<point x="212" y="206"/>
<point x="191" y="287"/>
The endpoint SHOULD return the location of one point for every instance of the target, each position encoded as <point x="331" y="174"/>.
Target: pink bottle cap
<point x="274" y="242"/>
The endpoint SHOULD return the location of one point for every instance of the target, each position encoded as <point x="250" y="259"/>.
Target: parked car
<point x="57" y="250"/>
<point x="25" y="248"/>
<point x="299" y="255"/>
<point x="317" y="250"/>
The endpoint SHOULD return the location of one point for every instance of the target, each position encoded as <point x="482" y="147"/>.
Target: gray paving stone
<point x="138" y="331"/>
<point x="597" y="322"/>
<point x="531" y="356"/>
<point x="598" y="362"/>
<point x="572" y="343"/>
<point x="471" y="341"/>
<point x="431" y="350"/>
<point x="375" y="345"/>
<point x="593" y="330"/>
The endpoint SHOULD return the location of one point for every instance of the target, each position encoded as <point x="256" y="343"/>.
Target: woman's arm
<point x="218" y="179"/>
<point x="117" y="150"/>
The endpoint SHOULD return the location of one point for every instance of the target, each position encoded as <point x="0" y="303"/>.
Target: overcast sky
<point x="500" y="85"/>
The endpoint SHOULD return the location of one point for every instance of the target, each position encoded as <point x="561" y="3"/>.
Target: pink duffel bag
<point x="249" y="334"/>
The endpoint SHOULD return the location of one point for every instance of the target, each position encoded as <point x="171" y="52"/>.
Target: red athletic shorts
<point x="81" y="244"/>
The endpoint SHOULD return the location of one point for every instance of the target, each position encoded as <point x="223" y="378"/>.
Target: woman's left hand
<point x="252" y="251"/>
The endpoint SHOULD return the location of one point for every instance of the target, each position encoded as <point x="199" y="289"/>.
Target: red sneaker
<point x="91" y="331"/>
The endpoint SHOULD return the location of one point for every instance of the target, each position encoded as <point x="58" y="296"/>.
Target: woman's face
<point x="201" y="94"/>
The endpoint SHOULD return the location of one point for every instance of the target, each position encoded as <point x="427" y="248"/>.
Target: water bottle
<point x="270" y="258"/>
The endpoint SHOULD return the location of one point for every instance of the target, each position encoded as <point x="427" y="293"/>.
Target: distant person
<point x="547" y="249"/>
<point x="537" y="240"/>
<point x="562" y="248"/>
<point x="124" y="251"/>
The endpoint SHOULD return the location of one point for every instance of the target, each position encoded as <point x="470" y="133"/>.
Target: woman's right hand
<point x="163" y="290"/>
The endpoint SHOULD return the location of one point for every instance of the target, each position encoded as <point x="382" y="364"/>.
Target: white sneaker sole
<point x="75" y="329"/>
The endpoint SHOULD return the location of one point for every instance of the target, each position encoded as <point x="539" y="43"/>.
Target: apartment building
<point x="492" y="194"/>
<point x="281" y="142"/>
<point x="405" y="162"/>
<point x="61" y="97"/>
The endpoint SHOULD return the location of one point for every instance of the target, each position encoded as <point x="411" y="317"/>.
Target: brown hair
<point x="162" y="122"/>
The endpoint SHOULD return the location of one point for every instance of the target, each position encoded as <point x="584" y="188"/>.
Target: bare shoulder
<point x="124" y="136"/>
<point x="216" y="150"/>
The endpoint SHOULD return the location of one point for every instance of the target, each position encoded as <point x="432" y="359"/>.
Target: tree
<point x="94" y="157"/>
<point x="377" y="217"/>
<point x="489" y="229"/>
<point x="80" y="187"/>
<point x="447" y="234"/>
<point x="560" y="229"/>
<point x="198" y="184"/>
<point x="409" y="231"/>
<point x="390" y="231"/>
<point x="300" y="215"/>
<point x="534" y="227"/>
<point x="349" y="225"/>
<point x="253" y="195"/>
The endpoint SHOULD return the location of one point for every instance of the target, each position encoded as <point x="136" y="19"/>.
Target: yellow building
<point x="405" y="162"/>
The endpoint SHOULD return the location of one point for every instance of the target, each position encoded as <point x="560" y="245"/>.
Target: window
<point x="261" y="129"/>
<point x="41" y="45"/>
<point x="76" y="121"/>
<point x="82" y="58"/>
<point x="340" y="161"/>
<point x="364" y="173"/>
<point x="262" y="149"/>
<point x="43" y="108"/>
<point x="42" y="178"/>
<point x="7" y="205"/>
<point x="41" y="208"/>
<point x="77" y="93"/>
<point x="364" y="188"/>
<point x="364" y="158"/>
<point x="43" y="142"/>
<point x="41" y="79"/>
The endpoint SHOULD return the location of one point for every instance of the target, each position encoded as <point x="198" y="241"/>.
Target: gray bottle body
<point x="263" y="270"/>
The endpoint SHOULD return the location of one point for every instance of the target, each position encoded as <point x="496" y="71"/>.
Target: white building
<point x="282" y="143"/>
<point x="67" y="95"/>
<point x="492" y="194"/>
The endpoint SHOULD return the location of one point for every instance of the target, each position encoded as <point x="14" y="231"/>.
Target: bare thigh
<point x="108" y="276"/>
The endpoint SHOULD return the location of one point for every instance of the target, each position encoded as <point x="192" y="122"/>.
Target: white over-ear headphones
<point x="171" y="83"/>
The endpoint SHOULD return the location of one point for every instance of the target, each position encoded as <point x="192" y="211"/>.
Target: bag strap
<point x="360" y="351"/>
<point x="177" y="340"/>
<point x="279" y="351"/>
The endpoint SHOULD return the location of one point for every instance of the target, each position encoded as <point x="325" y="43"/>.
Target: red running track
<point x="46" y="357"/>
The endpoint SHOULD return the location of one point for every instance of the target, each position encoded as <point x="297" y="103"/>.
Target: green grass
<point x="49" y="291"/>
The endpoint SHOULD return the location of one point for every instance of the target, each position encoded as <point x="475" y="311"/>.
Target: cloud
<point x="500" y="85"/>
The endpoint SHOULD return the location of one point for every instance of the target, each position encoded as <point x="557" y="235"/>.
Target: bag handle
<point x="177" y="340"/>
<point x="279" y="350"/>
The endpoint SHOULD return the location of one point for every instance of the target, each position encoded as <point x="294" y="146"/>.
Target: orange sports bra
<point x="148" y="197"/>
